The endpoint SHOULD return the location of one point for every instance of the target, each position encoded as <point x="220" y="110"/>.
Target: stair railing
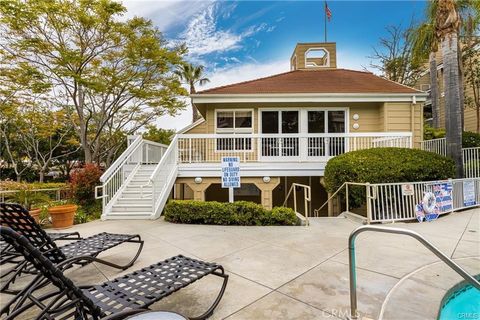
<point x="114" y="177"/>
<point x="163" y="177"/>
<point x="306" y="198"/>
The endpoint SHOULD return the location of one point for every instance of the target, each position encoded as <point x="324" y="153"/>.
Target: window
<point x="231" y="122"/>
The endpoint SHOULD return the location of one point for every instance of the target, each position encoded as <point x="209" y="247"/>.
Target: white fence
<point x="389" y="202"/>
<point x="435" y="145"/>
<point x="471" y="156"/>
<point x="201" y="148"/>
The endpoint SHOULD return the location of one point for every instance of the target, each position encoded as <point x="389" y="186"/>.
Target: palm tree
<point x="441" y="30"/>
<point x="425" y="45"/>
<point x="192" y="75"/>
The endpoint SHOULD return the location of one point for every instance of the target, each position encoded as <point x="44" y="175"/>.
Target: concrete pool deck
<point x="301" y="272"/>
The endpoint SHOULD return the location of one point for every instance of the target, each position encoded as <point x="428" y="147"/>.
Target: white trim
<point x="191" y="125"/>
<point x="228" y="131"/>
<point x="308" y="97"/>
<point x="327" y="65"/>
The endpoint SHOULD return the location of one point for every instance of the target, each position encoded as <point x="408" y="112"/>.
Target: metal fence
<point x="54" y="194"/>
<point x="389" y="202"/>
<point x="471" y="156"/>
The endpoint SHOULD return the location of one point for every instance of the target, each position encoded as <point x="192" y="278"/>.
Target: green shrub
<point x="470" y="139"/>
<point x="383" y="165"/>
<point x="242" y="213"/>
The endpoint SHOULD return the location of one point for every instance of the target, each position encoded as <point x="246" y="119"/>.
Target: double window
<point x="234" y="122"/>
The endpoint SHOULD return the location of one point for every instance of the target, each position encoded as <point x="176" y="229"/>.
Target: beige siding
<point x="369" y="120"/>
<point x="405" y="117"/>
<point x="200" y="128"/>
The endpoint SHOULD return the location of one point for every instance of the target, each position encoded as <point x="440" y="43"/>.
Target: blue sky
<point x="242" y="40"/>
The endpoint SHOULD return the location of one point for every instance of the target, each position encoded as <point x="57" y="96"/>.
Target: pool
<point x="461" y="302"/>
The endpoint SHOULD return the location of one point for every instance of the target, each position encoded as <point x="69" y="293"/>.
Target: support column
<point x="266" y="189"/>
<point x="197" y="188"/>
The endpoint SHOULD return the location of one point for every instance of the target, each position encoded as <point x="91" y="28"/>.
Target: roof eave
<point x="310" y="97"/>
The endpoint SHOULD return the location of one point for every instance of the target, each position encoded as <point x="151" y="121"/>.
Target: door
<point x="276" y="124"/>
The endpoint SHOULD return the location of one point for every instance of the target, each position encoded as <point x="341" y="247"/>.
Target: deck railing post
<point x="369" y="209"/>
<point x="346" y="198"/>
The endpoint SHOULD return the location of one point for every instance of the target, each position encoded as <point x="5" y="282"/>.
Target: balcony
<point x="258" y="148"/>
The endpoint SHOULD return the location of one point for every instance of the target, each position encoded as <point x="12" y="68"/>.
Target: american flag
<point x="328" y="12"/>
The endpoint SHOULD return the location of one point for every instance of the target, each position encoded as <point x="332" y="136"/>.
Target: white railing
<point x="393" y="202"/>
<point x="435" y="145"/>
<point x="113" y="179"/>
<point x="163" y="177"/>
<point x="307" y="197"/>
<point x="390" y="202"/>
<point x="471" y="162"/>
<point x="471" y="156"/>
<point x="203" y="148"/>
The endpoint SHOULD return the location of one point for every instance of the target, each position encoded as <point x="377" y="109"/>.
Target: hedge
<point x="469" y="139"/>
<point x="383" y="165"/>
<point x="243" y="213"/>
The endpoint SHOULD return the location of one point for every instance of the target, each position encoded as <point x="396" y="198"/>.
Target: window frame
<point x="230" y="132"/>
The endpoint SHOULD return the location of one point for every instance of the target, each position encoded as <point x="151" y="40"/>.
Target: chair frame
<point x="18" y="218"/>
<point x="69" y="300"/>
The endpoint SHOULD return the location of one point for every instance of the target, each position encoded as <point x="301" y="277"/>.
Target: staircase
<point x="135" y="201"/>
<point x="137" y="185"/>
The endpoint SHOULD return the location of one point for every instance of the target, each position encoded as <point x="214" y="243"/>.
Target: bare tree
<point x="393" y="56"/>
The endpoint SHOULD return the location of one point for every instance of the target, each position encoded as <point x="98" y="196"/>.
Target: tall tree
<point x="107" y="72"/>
<point x="393" y="56"/>
<point x="192" y="75"/>
<point x="425" y="46"/>
<point x="447" y="24"/>
<point x="471" y="61"/>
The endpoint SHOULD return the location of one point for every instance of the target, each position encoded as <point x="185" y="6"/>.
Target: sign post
<point x="230" y="175"/>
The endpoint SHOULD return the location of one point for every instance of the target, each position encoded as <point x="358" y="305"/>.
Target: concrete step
<point x="136" y="195"/>
<point x="128" y="216"/>
<point x="131" y="208"/>
<point x="138" y="182"/>
<point x="138" y="188"/>
<point x="134" y="201"/>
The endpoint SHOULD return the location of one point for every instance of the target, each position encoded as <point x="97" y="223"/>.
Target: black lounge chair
<point x="85" y="250"/>
<point x="9" y="255"/>
<point x="115" y="299"/>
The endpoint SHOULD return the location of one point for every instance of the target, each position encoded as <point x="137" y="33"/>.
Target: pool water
<point x="462" y="303"/>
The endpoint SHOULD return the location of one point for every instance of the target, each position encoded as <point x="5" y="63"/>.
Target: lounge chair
<point x="85" y="250"/>
<point x="115" y="299"/>
<point x="9" y="255"/>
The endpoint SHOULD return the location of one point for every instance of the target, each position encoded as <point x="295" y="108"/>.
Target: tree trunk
<point x="19" y="177"/>
<point x="478" y="119"/>
<point x="453" y="114"/>
<point x="434" y="91"/>
<point x="41" y="174"/>
<point x="195" y="115"/>
<point x="461" y="87"/>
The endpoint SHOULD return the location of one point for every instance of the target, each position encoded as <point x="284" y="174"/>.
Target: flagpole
<point x="325" y="12"/>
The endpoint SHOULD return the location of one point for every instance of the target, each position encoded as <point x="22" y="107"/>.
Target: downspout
<point x="412" y="114"/>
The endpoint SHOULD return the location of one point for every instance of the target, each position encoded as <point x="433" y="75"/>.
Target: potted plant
<point x="62" y="215"/>
<point x="32" y="201"/>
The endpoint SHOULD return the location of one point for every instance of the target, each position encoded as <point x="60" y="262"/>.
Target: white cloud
<point x="352" y="60"/>
<point x="165" y="14"/>
<point x="224" y="76"/>
<point x="204" y="36"/>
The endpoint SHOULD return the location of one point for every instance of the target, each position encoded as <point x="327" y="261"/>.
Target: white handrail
<point x="168" y="165"/>
<point x="307" y="198"/>
<point x="122" y="159"/>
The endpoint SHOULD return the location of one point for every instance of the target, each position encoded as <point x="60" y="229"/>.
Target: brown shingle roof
<point x="315" y="81"/>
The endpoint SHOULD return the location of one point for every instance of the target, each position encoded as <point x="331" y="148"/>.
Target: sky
<point x="244" y="40"/>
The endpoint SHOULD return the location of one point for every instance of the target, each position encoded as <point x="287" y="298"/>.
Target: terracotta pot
<point x="35" y="213"/>
<point x="62" y="216"/>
